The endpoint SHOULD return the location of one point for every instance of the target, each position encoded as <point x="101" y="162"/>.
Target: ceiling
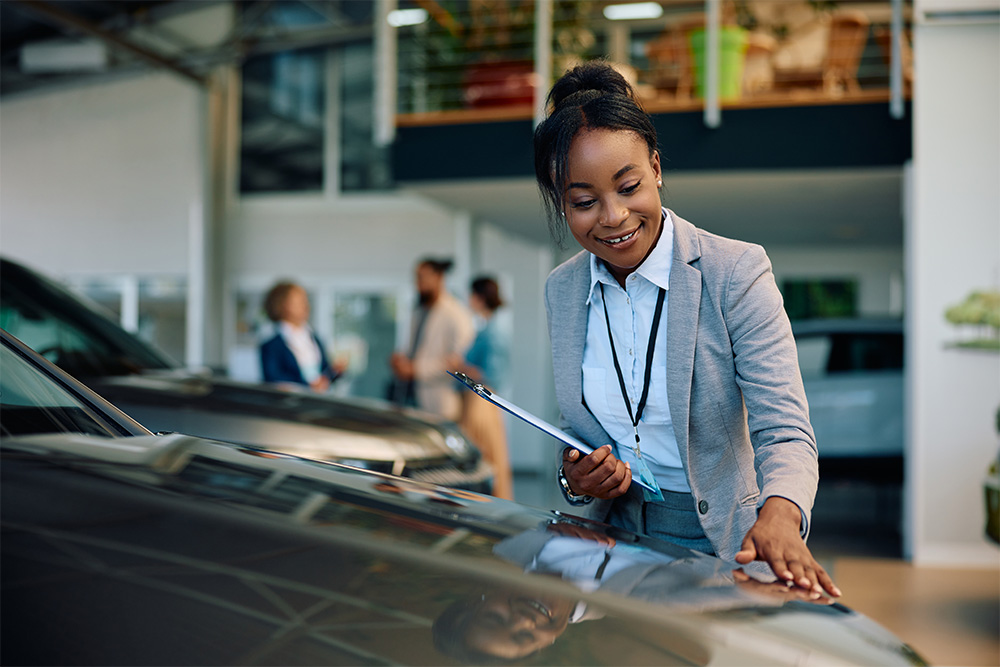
<point x="801" y="207"/>
<point x="106" y="37"/>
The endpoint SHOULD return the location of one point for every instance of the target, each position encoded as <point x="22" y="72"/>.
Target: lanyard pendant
<point x="646" y="475"/>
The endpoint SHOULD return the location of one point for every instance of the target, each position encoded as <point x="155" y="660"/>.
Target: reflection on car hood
<point x="177" y="550"/>
<point x="183" y="401"/>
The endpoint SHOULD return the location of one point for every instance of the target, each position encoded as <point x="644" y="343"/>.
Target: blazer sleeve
<point x="767" y="372"/>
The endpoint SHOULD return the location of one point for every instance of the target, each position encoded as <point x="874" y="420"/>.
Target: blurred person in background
<point x="293" y="355"/>
<point x="442" y="329"/>
<point x="486" y="362"/>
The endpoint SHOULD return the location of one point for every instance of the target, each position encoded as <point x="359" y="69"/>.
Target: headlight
<point x="457" y="444"/>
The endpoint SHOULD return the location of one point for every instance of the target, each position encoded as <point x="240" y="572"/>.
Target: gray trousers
<point x="674" y="520"/>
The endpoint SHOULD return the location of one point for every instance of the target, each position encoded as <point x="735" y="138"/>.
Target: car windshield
<point x="60" y="327"/>
<point x="31" y="403"/>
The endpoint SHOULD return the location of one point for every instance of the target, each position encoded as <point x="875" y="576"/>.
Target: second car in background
<point x="165" y="397"/>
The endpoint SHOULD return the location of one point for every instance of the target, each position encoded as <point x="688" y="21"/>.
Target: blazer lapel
<point x="576" y="331"/>
<point x="569" y="336"/>
<point x="682" y="327"/>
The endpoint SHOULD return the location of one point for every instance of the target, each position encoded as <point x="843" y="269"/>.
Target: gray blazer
<point x="733" y="383"/>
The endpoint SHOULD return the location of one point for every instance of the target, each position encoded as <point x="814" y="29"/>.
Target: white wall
<point x="100" y="178"/>
<point x="953" y="247"/>
<point x="383" y="234"/>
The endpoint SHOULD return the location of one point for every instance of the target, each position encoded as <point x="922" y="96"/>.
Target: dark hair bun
<point x="589" y="80"/>
<point x="488" y="290"/>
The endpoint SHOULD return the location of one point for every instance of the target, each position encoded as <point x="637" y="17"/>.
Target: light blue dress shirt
<point x="631" y="312"/>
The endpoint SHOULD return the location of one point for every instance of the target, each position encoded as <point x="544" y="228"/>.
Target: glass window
<point x="363" y="166"/>
<point x="854" y="352"/>
<point x="282" y="124"/>
<point x="68" y="332"/>
<point x="364" y="333"/>
<point x="32" y="403"/>
<point x="156" y="307"/>
<point x="163" y="314"/>
<point x="285" y="97"/>
<point x="818" y="298"/>
<point x="284" y="103"/>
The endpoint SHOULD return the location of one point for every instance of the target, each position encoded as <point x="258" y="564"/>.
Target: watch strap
<point x="567" y="491"/>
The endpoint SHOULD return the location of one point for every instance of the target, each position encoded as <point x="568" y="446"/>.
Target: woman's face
<point x="511" y="624"/>
<point x="612" y="201"/>
<point x="295" y="309"/>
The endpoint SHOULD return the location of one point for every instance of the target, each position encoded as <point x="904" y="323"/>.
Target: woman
<point x="294" y="355"/>
<point x="672" y="353"/>
<point x="486" y="362"/>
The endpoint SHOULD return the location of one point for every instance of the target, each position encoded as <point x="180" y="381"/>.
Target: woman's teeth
<point x="620" y="239"/>
<point x="540" y="608"/>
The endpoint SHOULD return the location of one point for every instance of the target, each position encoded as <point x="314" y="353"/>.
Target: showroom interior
<point x="171" y="160"/>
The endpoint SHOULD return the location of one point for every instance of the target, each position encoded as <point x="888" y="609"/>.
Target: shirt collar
<point x="655" y="268"/>
<point x="289" y="330"/>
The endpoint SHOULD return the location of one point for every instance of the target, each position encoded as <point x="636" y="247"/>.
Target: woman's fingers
<point x="599" y="474"/>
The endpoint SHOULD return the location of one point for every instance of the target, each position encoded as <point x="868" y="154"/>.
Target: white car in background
<point x="853" y="375"/>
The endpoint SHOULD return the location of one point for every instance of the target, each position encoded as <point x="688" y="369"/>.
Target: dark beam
<point x="68" y="19"/>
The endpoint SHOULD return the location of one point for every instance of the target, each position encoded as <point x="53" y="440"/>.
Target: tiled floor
<point x="951" y="617"/>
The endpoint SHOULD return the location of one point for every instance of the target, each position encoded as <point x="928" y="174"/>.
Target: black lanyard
<point x="649" y="360"/>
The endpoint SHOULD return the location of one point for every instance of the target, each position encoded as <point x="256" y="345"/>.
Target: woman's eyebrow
<point x="621" y="172"/>
<point x="618" y="174"/>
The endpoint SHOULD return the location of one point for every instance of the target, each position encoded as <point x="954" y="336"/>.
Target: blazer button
<point x="703" y="506"/>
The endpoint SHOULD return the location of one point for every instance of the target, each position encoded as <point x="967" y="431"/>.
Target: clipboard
<point x="525" y="416"/>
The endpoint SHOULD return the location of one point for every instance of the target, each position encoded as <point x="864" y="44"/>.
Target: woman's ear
<point x="654" y="162"/>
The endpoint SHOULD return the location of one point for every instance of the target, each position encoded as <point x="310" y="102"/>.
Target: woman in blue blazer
<point x="294" y="354"/>
<point x="672" y="353"/>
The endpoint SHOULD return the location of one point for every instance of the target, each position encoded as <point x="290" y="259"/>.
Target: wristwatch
<point x="571" y="497"/>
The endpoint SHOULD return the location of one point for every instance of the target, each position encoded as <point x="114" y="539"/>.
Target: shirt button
<point x="703" y="506"/>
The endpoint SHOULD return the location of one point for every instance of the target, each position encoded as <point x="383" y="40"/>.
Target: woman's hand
<point x="320" y="384"/>
<point x="775" y="539"/>
<point x="598" y="474"/>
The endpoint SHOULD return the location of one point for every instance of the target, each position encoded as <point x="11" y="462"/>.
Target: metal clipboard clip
<point x="525" y="416"/>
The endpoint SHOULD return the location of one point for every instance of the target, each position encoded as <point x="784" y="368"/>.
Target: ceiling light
<point x="403" y="17"/>
<point x="64" y="56"/>
<point x="633" y="11"/>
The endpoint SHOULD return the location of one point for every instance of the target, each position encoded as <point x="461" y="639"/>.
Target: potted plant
<point x="980" y="312"/>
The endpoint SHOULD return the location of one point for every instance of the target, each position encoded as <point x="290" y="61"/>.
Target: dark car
<point x="125" y="548"/>
<point x="135" y="376"/>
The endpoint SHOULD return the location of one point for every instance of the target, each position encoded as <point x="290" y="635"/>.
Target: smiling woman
<point x="704" y="401"/>
<point x="613" y="203"/>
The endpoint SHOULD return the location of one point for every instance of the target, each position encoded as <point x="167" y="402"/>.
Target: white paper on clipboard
<point x="523" y="415"/>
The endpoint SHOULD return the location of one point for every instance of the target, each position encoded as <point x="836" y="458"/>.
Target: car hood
<point x="177" y="550"/>
<point x="302" y="423"/>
